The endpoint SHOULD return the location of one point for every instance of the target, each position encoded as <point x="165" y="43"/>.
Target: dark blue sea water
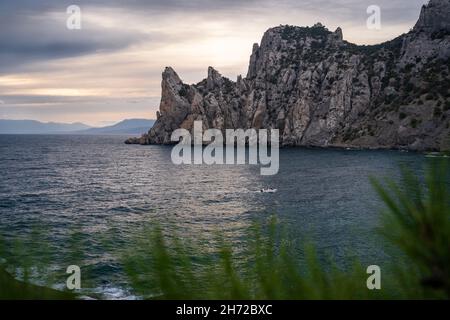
<point x="97" y="183"/>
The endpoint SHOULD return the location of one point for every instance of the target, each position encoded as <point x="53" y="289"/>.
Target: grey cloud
<point x="44" y="99"/>
<point x="27" y="36"/>
<point x="27" y="39"/>
<point x="30" y="35"/>
<point x="393" y="10"/>
<point x="183" y="5"/>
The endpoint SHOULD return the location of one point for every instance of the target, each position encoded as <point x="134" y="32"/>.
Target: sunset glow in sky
<point x="110" y="70"/>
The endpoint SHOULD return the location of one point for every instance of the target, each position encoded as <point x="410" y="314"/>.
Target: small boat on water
<point x="268" y="190"/>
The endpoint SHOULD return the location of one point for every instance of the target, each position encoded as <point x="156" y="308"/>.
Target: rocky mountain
<point x="320" y="90"/>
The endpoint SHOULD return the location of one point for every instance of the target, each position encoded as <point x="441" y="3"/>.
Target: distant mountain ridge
<point x="37" y="127"/>
<point x="128" y="126"/>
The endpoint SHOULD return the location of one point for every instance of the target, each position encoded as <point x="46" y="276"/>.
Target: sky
<point x="110" y="69"/>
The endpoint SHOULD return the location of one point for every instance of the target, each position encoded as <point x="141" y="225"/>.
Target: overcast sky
<point x="111" y="69"/>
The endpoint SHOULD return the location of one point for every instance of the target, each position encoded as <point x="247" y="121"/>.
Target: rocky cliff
<point x="320" y="90"/>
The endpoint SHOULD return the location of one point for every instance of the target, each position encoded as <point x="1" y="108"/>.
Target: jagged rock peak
<point x="169" y="75"/>
<point x="434" y="16"/>
<point x="255" y="47"/>
<point x="338" y="34"/>
<point x="214" y="78"/>
<point x="252" y="65"/>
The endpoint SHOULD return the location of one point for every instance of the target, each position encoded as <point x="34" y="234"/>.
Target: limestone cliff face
<point x="434" y="16"/>
<point x="320" y="90"/>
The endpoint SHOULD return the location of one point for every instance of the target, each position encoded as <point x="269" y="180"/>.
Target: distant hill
<point x="36" y="127"/>
<point x="129" y="126"/>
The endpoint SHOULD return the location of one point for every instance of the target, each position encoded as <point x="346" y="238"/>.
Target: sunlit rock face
<point x="320" y="90"/>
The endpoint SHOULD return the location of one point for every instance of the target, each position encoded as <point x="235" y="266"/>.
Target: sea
<point x="98" y="185"/>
